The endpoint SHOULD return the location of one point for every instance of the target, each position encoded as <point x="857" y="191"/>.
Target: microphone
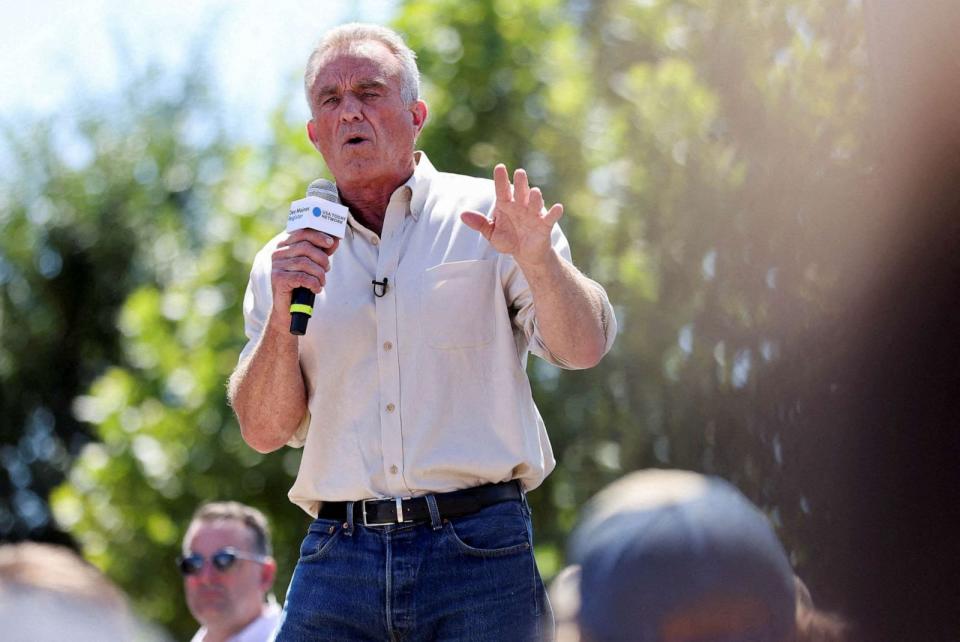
<point x="322" y="188"/>
<point x="320" y="210"/>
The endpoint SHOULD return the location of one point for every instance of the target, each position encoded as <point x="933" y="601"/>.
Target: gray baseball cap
<point x="669" y="555"/>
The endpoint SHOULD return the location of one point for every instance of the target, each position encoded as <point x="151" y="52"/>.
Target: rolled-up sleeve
<point x="520" y="301"/>
<point x="257" y="301"/>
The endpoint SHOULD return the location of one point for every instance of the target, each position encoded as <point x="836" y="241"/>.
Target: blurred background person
<point x="674" y="556"/>
<point x="228" y="572"/>
<point x="49" y="593"/>
<point x="564" y="593"/>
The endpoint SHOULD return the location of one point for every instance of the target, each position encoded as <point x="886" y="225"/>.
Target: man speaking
<point x="408" y="390"/>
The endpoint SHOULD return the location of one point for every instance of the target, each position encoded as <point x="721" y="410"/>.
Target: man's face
<point x="360" y="123"/>
<point x="230" y="598"/>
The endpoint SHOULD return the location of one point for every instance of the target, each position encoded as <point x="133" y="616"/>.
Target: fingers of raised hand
<point x="529" y="199"/>
<point x="521" y="186"/>
<point x="477" y="221"/>
<point x="554" y="214"/>
<point x="501" y="181"/>
<point x="535" y="201"/>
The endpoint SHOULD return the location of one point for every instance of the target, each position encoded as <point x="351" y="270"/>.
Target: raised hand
<point x="520" y="225"/>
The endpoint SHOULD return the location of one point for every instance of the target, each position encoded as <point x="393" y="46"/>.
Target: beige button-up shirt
<point x="422" y="389"/>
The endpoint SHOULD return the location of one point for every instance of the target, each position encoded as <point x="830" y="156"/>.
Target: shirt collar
<point x="413" y="190"/>
<point x="419" y="183"/>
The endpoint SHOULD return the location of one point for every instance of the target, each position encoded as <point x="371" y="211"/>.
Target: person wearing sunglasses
<point x="228" y="573"/>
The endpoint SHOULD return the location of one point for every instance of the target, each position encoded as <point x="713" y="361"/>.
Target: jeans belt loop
<point x="523" y="495"/>
<point x="434" y="512"/>
<point x="349" y="530"/>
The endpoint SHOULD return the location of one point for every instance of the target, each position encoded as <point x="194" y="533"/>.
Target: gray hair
<point x="350" y="36"/>
<point x="254" y="520"/>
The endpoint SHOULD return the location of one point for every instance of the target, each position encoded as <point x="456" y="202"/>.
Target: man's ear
<point x="419" y="111"/>
<point x="312" y="134"/>
<point x="268" y="573"/>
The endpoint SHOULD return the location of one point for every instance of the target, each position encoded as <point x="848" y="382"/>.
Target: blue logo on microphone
<point x="316" y="211"/>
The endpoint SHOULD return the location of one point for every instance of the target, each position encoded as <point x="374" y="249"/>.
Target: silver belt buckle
<point x="398" y="502"/>
<point x="363" y="505"/>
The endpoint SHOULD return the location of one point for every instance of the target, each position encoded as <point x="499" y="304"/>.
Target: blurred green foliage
<point x="705" y="152"/>
<point x="92" y="207"/>
<point x="168" y="440"/>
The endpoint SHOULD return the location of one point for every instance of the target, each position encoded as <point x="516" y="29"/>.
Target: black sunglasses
<point x="221" y="560"/>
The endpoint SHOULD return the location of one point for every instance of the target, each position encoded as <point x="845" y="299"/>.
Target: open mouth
<point x="356" y="140"/>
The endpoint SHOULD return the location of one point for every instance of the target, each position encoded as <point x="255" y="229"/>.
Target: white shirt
<point x="260" y="630"/>
<point x="423" y="389"/>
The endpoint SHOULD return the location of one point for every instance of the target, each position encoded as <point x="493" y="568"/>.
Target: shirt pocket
<point x="457" y="304"/>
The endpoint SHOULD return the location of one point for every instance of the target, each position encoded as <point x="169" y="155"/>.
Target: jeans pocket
<point x="495" y="531"/>
<point x="321" y="536"/>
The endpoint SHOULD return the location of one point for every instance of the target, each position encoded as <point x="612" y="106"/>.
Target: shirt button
<point x="387" y="345"/>
<point x="394" y="469"/>
<point x="391" y="407"/>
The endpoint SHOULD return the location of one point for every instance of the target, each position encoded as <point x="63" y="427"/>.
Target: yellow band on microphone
<point x="301" y="307"/>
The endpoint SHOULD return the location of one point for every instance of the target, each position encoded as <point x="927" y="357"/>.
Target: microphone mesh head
<point x="322" y="188"/>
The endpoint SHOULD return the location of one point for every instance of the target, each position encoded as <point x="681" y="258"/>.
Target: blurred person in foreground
<point x="228" y="572"/>
<point x="49" y="594"/>
<point x="674" y="556"/>
<point x="409" y="395"/>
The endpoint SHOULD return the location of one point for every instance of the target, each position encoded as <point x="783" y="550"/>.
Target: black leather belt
<point x="396" y="510"/>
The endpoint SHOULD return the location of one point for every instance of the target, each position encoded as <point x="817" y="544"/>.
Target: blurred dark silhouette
<point x="897" y="361"/>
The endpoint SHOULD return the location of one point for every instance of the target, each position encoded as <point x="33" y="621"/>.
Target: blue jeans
<point x="469" y="578"/>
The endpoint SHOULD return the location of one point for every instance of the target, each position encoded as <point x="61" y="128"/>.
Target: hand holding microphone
<point x="320" y="210"/>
